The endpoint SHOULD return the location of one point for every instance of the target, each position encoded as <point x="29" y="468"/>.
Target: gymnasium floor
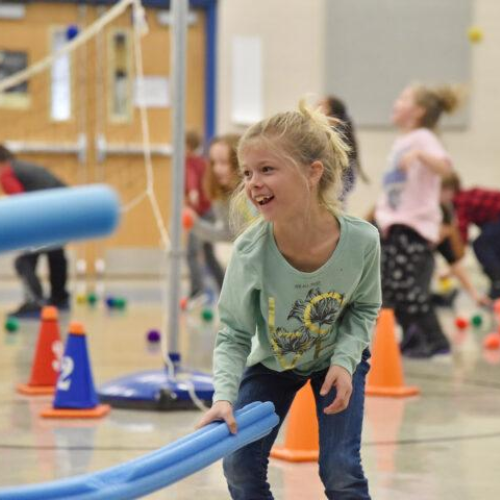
<point x="441" y="445"/>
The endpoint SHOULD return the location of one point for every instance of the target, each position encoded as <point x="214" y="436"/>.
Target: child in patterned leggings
<point x="409" y="216"/>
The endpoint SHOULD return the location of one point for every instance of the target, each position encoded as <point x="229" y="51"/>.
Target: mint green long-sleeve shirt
<point x="286" y="319"/>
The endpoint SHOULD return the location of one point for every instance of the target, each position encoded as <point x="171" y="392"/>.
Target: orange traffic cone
<point x="385" y="377"/>
<point x="302" y="436"/>
<point x="75" y="395"/>
<point x="45" y="367"/>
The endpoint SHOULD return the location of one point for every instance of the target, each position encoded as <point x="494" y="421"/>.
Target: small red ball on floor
<point x="461" y="323"/>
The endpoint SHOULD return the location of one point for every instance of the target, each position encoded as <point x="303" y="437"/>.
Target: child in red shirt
<point x="17" y="177"/>
<point x="480" y="207"/>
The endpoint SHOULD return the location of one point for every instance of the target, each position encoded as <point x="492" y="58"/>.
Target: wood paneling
<point x="90" y="77"/>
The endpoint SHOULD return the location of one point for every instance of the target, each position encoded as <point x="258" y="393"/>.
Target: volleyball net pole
<point x="178" y="58"/>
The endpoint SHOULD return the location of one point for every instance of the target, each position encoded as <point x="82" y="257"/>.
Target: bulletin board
<point x="375" y="48"/>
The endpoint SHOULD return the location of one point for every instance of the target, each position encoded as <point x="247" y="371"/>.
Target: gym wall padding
<point x="374" y="49"/>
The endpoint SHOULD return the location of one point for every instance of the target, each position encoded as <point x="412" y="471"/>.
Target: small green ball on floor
<point x="477" y="320"/>
<point x="92" y="298"/>
<point x="207" y="315"/>
<point x="11" y="324"/>
<point x="119" y="303"/>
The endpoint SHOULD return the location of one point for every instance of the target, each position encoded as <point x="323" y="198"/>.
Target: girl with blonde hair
<point x="299" y="302"/>
<point x="409" y="215"/>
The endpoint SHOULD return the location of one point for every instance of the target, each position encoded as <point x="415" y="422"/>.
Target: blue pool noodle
<point x="160" y="468"/>
<point x="55" y="216"/>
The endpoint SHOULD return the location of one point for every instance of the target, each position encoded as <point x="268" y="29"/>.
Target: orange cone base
<point x="97" y="412"/>
<point x="294" y="455"/>
<point x="395" y="392"/>
<point x="35" y="390"/>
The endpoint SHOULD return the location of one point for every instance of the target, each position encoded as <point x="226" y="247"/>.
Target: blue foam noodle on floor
<point x="160" y="468"/>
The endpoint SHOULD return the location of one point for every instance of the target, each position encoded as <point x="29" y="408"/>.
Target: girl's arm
<point x="218" y="230"/>
<point x="238" y="308"/>
<point x="459" y="272"/>
<point x="438" y="164"/>
<point x="356" y="327"/>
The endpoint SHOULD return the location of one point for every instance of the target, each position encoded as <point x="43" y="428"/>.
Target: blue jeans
<point x="487" y="250"/>
<point x="339" y="435"/>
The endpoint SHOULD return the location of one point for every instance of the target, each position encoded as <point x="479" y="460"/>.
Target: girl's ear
<point x="316" y="170"/>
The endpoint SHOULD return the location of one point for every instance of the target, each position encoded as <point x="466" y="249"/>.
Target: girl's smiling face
<point x="274" y="184"/>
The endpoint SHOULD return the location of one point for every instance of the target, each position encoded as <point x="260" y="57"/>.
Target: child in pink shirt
<point x="409" y="216"/>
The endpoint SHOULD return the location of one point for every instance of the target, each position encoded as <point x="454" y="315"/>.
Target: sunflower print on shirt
<point x="315" y="316"/>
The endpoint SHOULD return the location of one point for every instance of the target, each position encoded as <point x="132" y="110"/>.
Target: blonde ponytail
<point x="450" y="97"/>
<point x="437" y="100"/>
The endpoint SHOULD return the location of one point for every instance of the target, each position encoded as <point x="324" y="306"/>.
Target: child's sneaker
<point x="62" y="305"/>
<point x="28" y="310"/>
